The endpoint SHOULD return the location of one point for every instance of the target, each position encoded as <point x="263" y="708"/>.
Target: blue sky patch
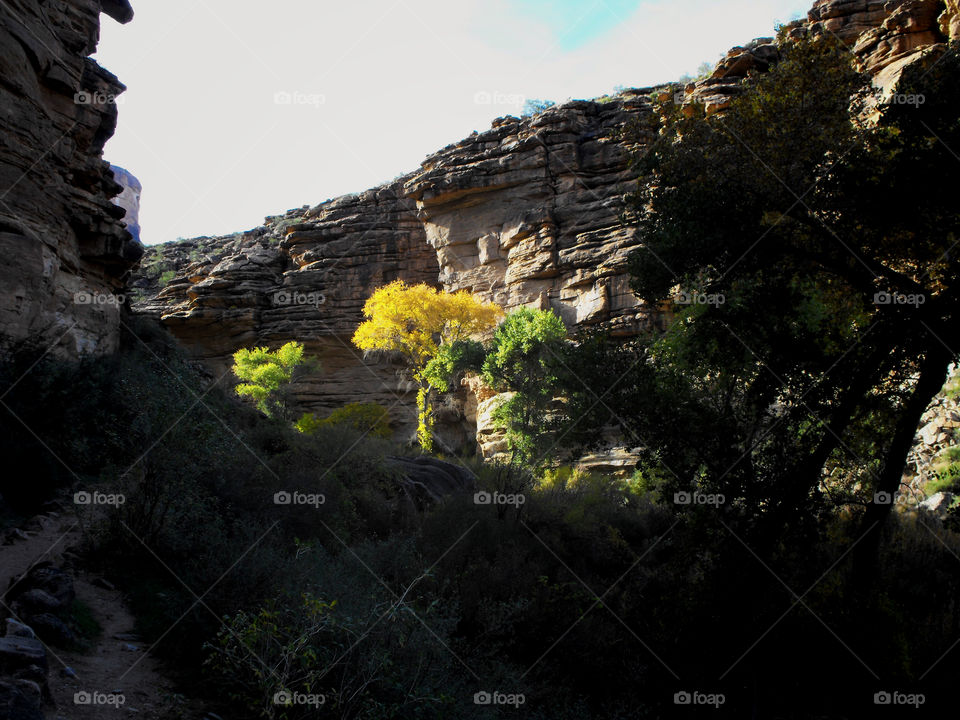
<point x="577" y="22"/>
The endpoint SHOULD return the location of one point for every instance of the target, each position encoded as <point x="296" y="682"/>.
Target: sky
<point x="239" y="110"/>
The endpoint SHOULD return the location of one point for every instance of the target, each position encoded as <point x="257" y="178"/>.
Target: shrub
<point x="265" y="375"/>
<point x="366" y="418"/>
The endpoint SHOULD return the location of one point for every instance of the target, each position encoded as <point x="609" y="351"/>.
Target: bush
<point x="366" y="418"/>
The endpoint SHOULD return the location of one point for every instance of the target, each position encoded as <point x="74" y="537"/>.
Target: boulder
<point x="18" y="629"/>
<point x="939" y="504"/>
<point x="42" y="589"/>
<point x="18" y="653"/>
<point x="20" y="700"/>
<point x="428" y="480"/>
<point x="52" y="629"/>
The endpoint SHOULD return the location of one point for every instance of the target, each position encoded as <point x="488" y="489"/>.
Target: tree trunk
<point x="933" y="375"/>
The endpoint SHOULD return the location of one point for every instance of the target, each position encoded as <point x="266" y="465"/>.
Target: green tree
<point x="453" y="359"/>
<point x="264" y="375"/>
<point x="816" y="248"/>
<point x="525" y="359"/>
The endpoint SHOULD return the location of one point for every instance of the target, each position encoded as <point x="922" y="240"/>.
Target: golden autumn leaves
<point x="415" y="321"/>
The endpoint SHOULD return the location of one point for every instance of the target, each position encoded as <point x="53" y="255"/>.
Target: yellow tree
<point x="416" y="320"/>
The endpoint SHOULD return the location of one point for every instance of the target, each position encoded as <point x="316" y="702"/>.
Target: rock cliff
<point x="66" y="254"/>
<point x="884" y="35"/>
<point x="128" y="199"/>
<point x="525" y="213"/>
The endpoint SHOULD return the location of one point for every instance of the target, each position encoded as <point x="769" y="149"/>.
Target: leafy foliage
<point x="363" y="417"/>
<point x="265" y="373"/>
<point x="814" y="233"/>
<point x="415" y="321"/>
<point x="454" y="359"/>
<point x="524" y="359"/>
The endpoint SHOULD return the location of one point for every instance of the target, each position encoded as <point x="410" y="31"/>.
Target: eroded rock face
<point x="128" y="199"/>
<point x="527" y="213"/>
<point x="65" y="251"/>
<point x="303" y="276"/>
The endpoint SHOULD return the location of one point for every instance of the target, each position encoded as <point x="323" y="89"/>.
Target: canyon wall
<point x="65" y="249"/>
<point x="527" y="213"/>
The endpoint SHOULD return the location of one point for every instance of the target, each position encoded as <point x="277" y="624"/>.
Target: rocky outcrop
<point x="884" y="35"/>
<point x="66" y="253"/>
<point x="302" y="276"/>
<point x="527" y="213"/>
<point x="128" y="199"/>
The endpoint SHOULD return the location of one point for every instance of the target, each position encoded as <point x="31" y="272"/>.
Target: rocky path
<point x="118" y="666"/>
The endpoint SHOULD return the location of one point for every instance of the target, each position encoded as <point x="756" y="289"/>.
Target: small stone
<point x="19" y="629"/>
<point x="104" y="583"/>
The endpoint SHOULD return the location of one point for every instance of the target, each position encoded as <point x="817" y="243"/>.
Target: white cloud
<point x="215" y="153"/>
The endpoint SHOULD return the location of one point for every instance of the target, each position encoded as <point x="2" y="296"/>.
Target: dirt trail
<point x="118" y="664"/>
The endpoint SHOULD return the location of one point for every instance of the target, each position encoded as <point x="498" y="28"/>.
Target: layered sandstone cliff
<point x="66" y="252"/>
<point x="885" y="36"/>
<point x="529" y="212"/>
